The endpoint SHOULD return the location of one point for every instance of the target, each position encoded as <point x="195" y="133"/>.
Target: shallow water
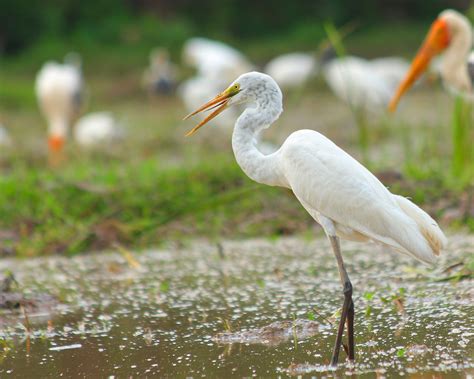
<point x="164" y="313"/>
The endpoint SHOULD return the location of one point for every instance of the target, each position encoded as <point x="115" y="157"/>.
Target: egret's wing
<point x="334" y="184"/>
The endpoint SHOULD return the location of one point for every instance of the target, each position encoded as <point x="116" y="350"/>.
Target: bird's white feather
<point x="292" y="70"/>
<point x="328" y="181"/>
<point x="357" y="83"/>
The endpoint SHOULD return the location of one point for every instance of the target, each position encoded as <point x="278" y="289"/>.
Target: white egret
<point x="292" y="70"/>
<point x="59" y="89"/>
<point x="98" y="129"/>
<point x="336" y="190"/>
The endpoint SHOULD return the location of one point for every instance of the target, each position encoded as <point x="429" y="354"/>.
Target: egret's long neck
<point x="261" y="168"/>
<point x="454" y="68"/>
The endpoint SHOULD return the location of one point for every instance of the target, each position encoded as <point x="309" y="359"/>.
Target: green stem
<point x="361" y="121"/>
<point x="462" y="143"/>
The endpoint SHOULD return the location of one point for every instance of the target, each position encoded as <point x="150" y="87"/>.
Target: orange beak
<point x="436" y="41"/>
<point x="220" y="102"/>
<point x="55" y="143"/>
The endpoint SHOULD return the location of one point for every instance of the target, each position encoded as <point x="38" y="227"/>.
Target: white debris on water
<point x="163" y="319"/>
<point x="66" y="347"/>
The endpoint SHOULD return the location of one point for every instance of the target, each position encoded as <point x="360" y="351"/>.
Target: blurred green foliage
<point x="26" y="22"/>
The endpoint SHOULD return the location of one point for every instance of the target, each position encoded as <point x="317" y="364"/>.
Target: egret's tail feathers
<point x="427" y="226"/>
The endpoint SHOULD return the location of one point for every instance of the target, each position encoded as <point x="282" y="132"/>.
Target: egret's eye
<point x="234" y="90"/>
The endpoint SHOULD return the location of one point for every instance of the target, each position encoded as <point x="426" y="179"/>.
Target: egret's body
<point x="98" y="129"/>
<point x="337" y="191"/>
<point x="292" y="70"/>
<point x="59" y="91"/>
<point x="364" y="84"/>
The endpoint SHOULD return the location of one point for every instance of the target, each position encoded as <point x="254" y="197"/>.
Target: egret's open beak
<point x="436" y="41"/>
<point x="220" y="102"/>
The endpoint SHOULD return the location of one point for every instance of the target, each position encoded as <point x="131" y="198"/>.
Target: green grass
<point x="92" y="205"/>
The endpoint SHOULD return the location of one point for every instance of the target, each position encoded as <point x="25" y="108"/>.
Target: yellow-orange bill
<point x="219" y="102"/>
<point x="221" y="107"/>
<point x="436" y="41"/>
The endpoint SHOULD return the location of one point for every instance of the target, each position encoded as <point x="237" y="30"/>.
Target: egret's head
<point x="449" y="25"/>
<point x="249" y="87"/>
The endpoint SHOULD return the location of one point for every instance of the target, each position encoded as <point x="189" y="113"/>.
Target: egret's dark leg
<point x="350" y="331"/>
<point x="347" y="313"/>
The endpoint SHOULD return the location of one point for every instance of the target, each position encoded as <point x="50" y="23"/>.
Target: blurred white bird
<point x="98" y="130"/>
<point x="5" y="140"/>
<point x="292" y="70"/>
<point x="59" y="90"/>
<point x="160" y="76"/>
<point x="214" y="60"/>
<point x="364" y="84"/>
<point x="345" y="198"/>
<point x="391" y="69"/>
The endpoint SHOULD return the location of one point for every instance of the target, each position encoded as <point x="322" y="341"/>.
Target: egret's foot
<point x="346" y="314"/>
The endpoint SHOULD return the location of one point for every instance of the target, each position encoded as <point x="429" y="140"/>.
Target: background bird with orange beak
<point x="59" y="90"/>
<point x="450" y="34"/>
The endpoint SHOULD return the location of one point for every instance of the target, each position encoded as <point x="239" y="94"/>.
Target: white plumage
<point x="98" y="130"/>
<point x="333" y="186"/>
<point x="391" y="69"/>
<point x="364" y="84"/>
<point x="292" y="70"/>
<point x="59" y="92"/>
<point x="214" y="59"/>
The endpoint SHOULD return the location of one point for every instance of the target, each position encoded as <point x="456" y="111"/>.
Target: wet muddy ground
<point x="237" y="309"/>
